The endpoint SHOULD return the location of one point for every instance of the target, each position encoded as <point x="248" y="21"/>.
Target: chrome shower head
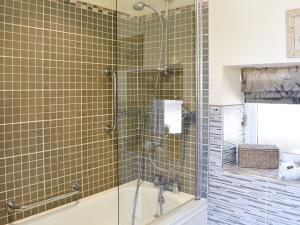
<point x="139" y="6"/>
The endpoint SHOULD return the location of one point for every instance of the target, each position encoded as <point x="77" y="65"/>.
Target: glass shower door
<point x="129" y="113"/>
<point x="55" y="101"/>
<point x="156" y="85"/>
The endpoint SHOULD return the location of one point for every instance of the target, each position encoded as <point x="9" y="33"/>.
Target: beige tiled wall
<point x="54" y="101"/>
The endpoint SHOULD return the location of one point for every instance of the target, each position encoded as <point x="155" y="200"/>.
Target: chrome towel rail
<point x="12" y="205"/>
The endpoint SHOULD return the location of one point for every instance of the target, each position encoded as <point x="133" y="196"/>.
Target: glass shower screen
<point x="156" y="107"/>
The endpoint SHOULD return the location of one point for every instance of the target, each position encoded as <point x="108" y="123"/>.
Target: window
<point x="276" y="124"/>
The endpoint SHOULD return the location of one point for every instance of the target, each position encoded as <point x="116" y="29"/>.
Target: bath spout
<point x="161" y="183"/>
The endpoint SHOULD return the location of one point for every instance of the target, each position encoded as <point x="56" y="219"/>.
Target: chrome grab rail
<point x="110" y="128"/>
<point x="13" y="206"/>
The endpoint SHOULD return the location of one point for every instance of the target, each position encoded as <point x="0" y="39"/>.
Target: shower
<point x="139" y="6"/>
<point x="162" y="67"/>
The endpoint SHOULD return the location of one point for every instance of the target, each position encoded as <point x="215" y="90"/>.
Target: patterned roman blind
<point x="271" y="85"/>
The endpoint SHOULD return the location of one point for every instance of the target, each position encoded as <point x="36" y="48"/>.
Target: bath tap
<point x="160" y="202"/>
<point x="161" y="183"/>
<point x="163" y="186"/>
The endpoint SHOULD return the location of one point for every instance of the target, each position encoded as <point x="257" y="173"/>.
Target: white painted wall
<point x="244" y="32"/>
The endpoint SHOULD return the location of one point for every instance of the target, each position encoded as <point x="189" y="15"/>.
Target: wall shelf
<point x="264" y="174"/>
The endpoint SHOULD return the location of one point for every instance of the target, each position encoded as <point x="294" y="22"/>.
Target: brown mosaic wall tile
<point x="54" y="101"/>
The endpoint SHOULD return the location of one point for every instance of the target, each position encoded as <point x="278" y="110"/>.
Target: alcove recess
<point x="233" y="119"/>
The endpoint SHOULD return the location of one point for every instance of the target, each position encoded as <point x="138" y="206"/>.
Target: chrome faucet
<point x="161" y="202"/>
<point x="162" y="184"/>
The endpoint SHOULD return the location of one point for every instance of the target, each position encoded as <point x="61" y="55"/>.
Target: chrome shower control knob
<point x="11" y="205"/>
<point x="108" y="129"/>
<point x="75" y="186"/>
<point x="108" y="71"/>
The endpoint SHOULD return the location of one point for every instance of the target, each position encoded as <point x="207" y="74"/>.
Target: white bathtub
<point x="102" y="209"/>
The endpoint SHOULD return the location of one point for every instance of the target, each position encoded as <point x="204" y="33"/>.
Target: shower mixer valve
<point x="162" y="184"/>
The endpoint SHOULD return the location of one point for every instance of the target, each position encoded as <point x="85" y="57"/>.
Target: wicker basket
<point x="258" y="156"/>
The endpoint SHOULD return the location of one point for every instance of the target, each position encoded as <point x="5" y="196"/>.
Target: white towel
<point x="173" y="116"/>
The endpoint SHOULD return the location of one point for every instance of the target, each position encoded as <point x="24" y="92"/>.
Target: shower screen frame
<point x="199" y="95"/>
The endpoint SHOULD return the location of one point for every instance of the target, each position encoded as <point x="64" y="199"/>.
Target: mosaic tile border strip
<point x="94" y="8"/>
<point x="84" y="5"/>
